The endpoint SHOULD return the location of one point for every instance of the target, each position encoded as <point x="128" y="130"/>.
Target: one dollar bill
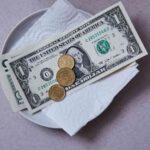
<point x="100" y="46"/>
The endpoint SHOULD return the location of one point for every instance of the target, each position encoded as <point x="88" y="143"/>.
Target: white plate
<point x="39" y="118"/>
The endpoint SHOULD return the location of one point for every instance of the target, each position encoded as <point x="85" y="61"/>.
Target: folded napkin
<point x="61" y="16"/>
<point x="79" y="108"/>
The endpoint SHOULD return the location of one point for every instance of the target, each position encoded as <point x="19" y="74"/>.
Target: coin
<point x="66" y="61"/>
<point x="65" y="76"/>
<point x="56" y="92"/>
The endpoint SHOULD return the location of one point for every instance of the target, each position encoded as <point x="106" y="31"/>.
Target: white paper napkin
<point x="81" y="107"/>
<point x="61" y="16"/>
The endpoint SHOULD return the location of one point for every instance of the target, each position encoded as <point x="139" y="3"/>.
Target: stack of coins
<point x="65" y="77"/>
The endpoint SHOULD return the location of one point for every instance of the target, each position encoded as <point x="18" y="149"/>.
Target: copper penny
<point x="56" y="92"/>
<point x="66" y="61"/>
<point x="65" y="76"/>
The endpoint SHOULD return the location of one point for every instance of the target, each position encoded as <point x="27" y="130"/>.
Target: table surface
<point x="125" y="125"/>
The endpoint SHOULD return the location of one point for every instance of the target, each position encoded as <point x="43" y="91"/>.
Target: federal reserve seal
<point x="46" y="74"/>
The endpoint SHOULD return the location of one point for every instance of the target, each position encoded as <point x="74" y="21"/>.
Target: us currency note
<point x="100" y="46"/>
<point x="10" y="88"/>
